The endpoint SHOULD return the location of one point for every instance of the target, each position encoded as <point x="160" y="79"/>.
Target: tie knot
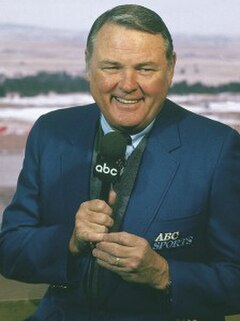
<point x="128" y="139"/>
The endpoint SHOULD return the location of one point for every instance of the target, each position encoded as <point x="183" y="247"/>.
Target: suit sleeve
<point x="214" y="285"/>
<point x="30" y="251"/>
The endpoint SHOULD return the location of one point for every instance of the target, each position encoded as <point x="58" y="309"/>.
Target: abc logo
<point x="106" y="170"/>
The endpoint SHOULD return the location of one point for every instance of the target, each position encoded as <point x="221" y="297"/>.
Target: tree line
<point x="44" y="83"/>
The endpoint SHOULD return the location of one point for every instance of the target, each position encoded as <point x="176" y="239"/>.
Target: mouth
<point x="127" y="101"/>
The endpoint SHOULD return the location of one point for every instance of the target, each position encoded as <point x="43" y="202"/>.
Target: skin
<point x="129" y="78"/>
<point x="131" y="65"/>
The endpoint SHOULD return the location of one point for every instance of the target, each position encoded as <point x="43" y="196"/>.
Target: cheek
<point x="102" y="83"/>
<point x="157" y="88"/>
<point x="153" y="89"/>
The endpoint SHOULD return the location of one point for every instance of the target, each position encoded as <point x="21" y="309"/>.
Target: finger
<point x="103" y="256"/>
<point x="122" y="238"/>
<point x="85" y="216"/>
<point x="112" y="198"/>
<point x="89" y="236"/>
<point x="100" y="219"/>
<point x="85" y="229"/>
<point x="96" y="205"/>
<point x="115" y="249"/>
<point x="110" y="267"/>
<point x="88" y="231"/>
<point x="96" y="228"/>
<point x="110" y="262"/>
<point x="117" y="265"/>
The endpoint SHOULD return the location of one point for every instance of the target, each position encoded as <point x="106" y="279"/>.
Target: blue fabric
<point x="185" y="202"/>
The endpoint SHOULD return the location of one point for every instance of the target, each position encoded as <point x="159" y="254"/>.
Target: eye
<point x="146" y="70"/>
<point x="110" y="68"/>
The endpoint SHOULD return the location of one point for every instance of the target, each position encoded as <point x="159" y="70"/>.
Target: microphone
<point x="111" y="161"/>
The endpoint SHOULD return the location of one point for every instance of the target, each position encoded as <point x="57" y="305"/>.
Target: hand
<point x="132" y="258"/>
<point x="92" y="222"/>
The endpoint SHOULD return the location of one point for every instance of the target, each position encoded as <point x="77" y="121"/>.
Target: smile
<point x="127" y="101"/>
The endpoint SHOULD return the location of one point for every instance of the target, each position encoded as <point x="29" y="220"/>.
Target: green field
<point x="18" y="300"/>
<point x="17" y="310"/>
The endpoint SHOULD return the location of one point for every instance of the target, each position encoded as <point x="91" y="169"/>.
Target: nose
<point x="128" y="81"/>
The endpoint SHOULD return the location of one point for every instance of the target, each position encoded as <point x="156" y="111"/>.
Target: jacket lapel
<point x="156" y="173"/>
<point x="76" y="161"/>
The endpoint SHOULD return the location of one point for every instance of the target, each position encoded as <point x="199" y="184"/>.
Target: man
<point x="165" y="243"/>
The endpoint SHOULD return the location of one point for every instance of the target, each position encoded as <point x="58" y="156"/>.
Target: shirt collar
<point x="135" y="138"/>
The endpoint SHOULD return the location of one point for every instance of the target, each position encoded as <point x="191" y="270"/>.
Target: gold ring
<point x="117" y="260"/>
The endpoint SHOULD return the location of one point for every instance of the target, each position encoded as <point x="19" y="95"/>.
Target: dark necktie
<point x="123" y="188"/>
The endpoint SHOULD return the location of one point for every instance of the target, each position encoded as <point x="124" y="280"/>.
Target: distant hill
<point x="24" y="32"/>
<point x="27" y="50"/>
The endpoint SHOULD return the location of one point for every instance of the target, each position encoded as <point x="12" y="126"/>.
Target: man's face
<point x="129" y="76"/>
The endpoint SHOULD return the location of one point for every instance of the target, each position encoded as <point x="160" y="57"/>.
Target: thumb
<point x="112" y="198"/>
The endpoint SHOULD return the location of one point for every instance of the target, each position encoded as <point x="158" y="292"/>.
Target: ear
<point x="174" y="59"/>
<point x="172" y="64"/>
<point x="86" y="55"/>
<point x="87" y="63"/>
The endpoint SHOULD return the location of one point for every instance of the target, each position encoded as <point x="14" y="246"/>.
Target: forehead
<point x="113" y="37"/>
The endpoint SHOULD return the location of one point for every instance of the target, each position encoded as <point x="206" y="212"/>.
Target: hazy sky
<point x="182" y="16"/>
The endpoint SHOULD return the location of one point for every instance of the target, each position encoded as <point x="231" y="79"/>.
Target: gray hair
<point x="133" y="17"/>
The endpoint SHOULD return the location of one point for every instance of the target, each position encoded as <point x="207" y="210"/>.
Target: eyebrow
<point x="115" y="63"/>
<point x="109" y="62"/>
<point x="146" y="63"/>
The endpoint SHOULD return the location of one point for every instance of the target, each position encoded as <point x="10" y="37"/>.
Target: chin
<point x="126" y="124"/>
<point x="127" y="128"/>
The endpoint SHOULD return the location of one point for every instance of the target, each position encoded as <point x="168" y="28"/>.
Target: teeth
<point x="127" y="101"/>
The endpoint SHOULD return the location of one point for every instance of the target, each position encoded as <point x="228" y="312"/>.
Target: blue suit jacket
<point x="185" y="202"/>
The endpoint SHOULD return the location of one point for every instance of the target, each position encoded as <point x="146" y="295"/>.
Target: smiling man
<point x="130" y="75"/>
<point x="163" y="244"/>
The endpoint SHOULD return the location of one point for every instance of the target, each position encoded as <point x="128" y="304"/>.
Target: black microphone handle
<point x="105" y="190"/>
<point x="104" y="196"/>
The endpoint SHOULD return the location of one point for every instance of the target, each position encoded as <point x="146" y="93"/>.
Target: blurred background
<point x="42" y="68"/>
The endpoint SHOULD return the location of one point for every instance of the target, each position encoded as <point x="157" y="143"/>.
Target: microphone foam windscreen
<point x="113" y="145"/>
